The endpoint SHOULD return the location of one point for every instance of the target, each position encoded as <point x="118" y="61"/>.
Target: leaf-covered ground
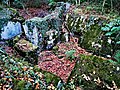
<point x="34" y="12"/>
<point x="57" y="62"/>
<point x="60" y="61"/>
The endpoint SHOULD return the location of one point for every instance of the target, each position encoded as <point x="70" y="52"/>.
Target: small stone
<point x="49" y="87"/>
<point x="10" y="79"/>
<point x="24" y="68"/>
<point x="31" y="68"/>
<point x="93" y="72"/>
<point x="25" y="46"/>
<point x="118" y="68"/>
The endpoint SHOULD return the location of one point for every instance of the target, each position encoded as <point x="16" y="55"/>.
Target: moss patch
<point x="92" y="72"/>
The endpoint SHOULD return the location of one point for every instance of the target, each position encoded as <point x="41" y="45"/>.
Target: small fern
<point x="70" y="54"/>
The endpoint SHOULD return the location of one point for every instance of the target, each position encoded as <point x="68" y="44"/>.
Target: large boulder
<point x="45" y="31"/>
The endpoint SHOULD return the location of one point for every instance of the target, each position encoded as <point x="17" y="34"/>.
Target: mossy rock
<point x="87" y="28"/>
<point x="26" y="50"/>
<point x="25" y="46"/>
<point x="92" y="72"/>
<point x="8" y="13"/>
<point x="90" y="36"/>
<point x="44" y="32"/>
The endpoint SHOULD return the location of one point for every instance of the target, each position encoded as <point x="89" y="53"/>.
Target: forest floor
<point x="61" y="60"/>
<point x="55" y="62"/>
<point x="48" y="60"/>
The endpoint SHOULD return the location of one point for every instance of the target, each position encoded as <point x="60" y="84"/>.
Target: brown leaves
<point x="33" y="12"/>
<point x="62" y="67"/>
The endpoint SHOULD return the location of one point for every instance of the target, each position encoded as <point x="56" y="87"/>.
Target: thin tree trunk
<point x="103" y="5"/>
<point x="111" y="5"/>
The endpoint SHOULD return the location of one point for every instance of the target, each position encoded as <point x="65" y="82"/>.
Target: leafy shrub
<point x="111" y="32"/>
<point x="112" y="29"/>
<point x="20" y="75"/>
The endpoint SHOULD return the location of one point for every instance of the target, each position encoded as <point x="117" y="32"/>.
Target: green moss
<point x="90" y="36"/>
<point x="19" y="85"/>
<point x="49" y="77"/>
<point x="55" y="49"/>
<point x="92" y="72"/>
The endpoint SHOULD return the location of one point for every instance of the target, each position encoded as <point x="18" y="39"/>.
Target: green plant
<point x="51" y="2"/>
<point x="117" y="56"/>
<point x="70" y="54"/>
<point x="19" y="85"/>
<point x="112" y="28"/>
<point x="21" y="75"/>
<point x="112" y="34"/>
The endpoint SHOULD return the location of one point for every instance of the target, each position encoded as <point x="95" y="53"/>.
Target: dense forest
<point x="59" y="44"/>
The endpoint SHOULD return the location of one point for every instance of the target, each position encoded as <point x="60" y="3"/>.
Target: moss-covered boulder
<point x="92" y="72"/>
<point x="86" y="27"/>
<point x="25" y="46"/>
<point x="27" y="50"/>
<point x="45" y="31"/>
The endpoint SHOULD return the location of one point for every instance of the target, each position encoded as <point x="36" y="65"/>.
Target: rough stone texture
<point x="11" y="30"/>
<point x="25" y="46"/>
<point x="8" y="29"/>
<point x="44" y="31"/>
<point x="86" y="27"/>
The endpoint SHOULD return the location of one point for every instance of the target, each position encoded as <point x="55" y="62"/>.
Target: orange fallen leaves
<point x="61" y="67"/>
